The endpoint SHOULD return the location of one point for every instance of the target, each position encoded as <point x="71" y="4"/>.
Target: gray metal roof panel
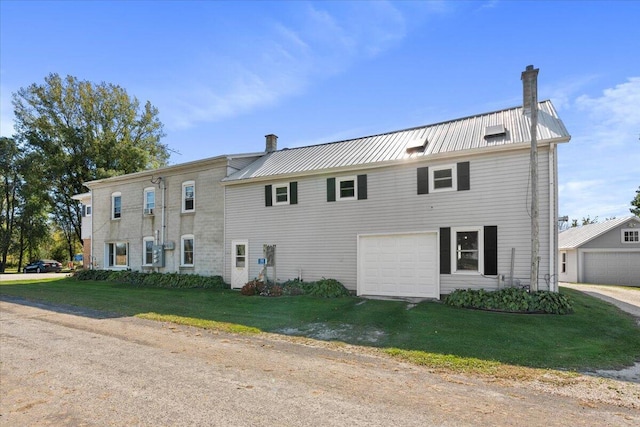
<point x="442" y="138"/>
<point x="575" y="237"/>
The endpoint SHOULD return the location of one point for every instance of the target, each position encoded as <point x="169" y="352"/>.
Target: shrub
<point x="156" y="280"/>
<point x="250" y="288"/>
<point x="327" y="288"/>
<point x="511" y="300"/>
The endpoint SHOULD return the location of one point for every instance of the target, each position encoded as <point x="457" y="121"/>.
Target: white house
<point x="411" y="213"/>
<point x="606" y="252"/>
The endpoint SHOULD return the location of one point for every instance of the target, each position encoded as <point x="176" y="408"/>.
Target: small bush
<point x="328" y="288"/>
<point x="512" y="300"/>
<point x="156" y="280"/>
<point x="250" y="288"/>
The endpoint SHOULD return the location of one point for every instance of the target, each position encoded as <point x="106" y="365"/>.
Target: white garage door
<point x="399" y="265"/>
<point x="612" y="268"/>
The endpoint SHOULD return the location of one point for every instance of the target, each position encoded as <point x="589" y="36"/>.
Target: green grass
<point x="596" y="336"/>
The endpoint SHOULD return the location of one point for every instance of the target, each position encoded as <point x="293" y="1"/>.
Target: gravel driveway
<point x="83" y="368"/>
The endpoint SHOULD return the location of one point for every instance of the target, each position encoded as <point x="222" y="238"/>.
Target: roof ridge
<point x="411" y="128"/>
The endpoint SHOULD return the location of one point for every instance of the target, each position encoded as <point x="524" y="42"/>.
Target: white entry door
<point x="239" y="263"/>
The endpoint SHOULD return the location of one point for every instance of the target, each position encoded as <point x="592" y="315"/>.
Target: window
<point x="116" y="205"/>
<point x="563" y="263"/>
<point x="188" y="196"/>
<point x="187" y="251"/>
<point x="630" y="236"/>
<point x="88" y="210"/>
<point x="443" y="178"/>
<point x="147" y="254"/>
<point x="466" y="250"/>
<point x="149" y="199"/>
<point x="241" y="256"/>
<point x="281" y="194"/>
<point x="117" y="255"/>
<point x="347" y="188"/>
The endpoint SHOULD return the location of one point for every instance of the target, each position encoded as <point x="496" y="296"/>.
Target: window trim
<point x="342" y="179"/>
<point x="432" y="178"/>
<point x="183" y="238"/>
<point x="634" y="234"/>
<point x="563" y="262"/>
<point x="274" y="193"/>
<point x="112" y="256"/>
<point x="146" y="191"/>
<point x="145" y="253"/>
<point x="183" y="208"/>
<point x="114" y="196"/>
<point x="454" y="250"/>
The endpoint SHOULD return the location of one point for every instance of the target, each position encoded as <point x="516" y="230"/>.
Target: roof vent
<point x="494" y="131"/>
<point x="417" y="145"/>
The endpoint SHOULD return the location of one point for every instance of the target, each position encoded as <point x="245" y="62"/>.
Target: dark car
<point x="43" y="266"/>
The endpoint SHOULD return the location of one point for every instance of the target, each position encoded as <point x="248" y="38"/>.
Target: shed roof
<point x="577" y="236"/>
<point x="440" y="139"/>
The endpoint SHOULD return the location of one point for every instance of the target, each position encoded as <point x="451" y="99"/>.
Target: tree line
<point x="67" y="132"/>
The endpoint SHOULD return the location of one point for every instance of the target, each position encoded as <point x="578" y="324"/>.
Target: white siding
<point x="319" y="238"/>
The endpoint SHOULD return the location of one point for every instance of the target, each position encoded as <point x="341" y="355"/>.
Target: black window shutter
<point x="463" y="176"/>
<point x="293" y="189"/>
<point x="491" y="250"/>
<point x="268" y="199"/>
<point x="423" y="180"/>
<point x="445" y="250"/>
<point x="331" y="189"/>
<point x="362" y="187"/>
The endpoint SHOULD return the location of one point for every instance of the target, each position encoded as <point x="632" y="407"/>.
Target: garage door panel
<point x="614" y="268"/>
<point x="399" y="265"/>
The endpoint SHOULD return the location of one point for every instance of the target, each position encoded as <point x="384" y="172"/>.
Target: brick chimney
<point x="272" y="143"/>
<point x="530" y="89"/>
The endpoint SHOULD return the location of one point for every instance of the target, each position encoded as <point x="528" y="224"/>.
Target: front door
<point x="239" y="263"/>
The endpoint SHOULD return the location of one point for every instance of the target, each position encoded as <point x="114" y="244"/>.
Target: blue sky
<point x="224" y="74"/>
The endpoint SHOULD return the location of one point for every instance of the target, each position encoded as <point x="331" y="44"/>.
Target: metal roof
<point x="575" y="237"/>
<point x="442" y="139"/>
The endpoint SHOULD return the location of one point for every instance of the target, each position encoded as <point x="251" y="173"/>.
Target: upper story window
<point x="116" y="205"/>
<point x="281" y="194"/>
<point x="630" y="235"/>
<point x="187" y="250"/>
<point x="86" y="210"/>
<point x="434" y="179"/>
<point x="347" y="188"/>
<point x="188" y="196"/>
<point x="149" y="200"/>
<point x="443" y="178"/>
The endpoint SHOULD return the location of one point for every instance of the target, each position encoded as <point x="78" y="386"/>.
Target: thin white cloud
<point x="601" y="162"/>
<point x="286" y="59"/>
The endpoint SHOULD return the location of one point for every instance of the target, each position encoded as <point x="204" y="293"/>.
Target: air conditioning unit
<point x="148" y="211"/>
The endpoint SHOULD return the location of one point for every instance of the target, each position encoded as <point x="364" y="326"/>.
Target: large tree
<point x="636" y="202"/>
<point x="10" y="183"/>
<point x="78" y="131"/>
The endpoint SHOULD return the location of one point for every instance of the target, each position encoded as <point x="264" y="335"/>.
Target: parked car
<point x="43" y="266"/>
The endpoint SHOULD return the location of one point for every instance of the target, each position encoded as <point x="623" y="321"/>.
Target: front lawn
<point x="597" y="335"/>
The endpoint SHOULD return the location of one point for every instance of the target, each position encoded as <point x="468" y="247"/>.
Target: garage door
<point x="399" y="265"/>
<point x="612" y="268"/>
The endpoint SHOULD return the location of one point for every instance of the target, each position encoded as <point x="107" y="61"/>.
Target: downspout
<point x="553" y="218"/>
<point x="91" y="261"/>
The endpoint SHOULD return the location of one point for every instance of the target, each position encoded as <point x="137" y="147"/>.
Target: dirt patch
<point x="341" y="332"/>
